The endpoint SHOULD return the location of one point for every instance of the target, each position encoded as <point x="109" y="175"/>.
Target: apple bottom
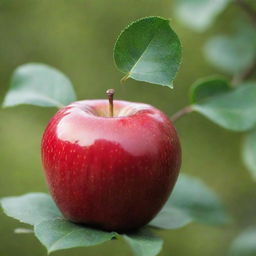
<point x="106" y="187"/>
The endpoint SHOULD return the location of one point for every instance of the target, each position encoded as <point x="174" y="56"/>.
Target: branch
<point x="248" y="9"/>
<point x="184" y="111"/>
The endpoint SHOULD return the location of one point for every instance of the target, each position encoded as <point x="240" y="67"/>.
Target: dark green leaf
<point x="61" y="234"/>
<point x="249" y="152"/>
<point x="199" y="14"/>
<point x="31" y="208"/>
<point x="235" y="110"/>
<point x="192" y="201"/>
<point x="40" y="85"/>
<point x="144" y="243"/>
<point x="232" y="54"/>
<point x="244" y="244"/>
<point x="149" y="50"/>
<point x="205" y="88"/>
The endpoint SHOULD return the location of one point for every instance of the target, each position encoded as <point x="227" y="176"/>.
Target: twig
<point x="245" y="74"/>
<point x="184" y="111"/>
<point x="248" y="9"/>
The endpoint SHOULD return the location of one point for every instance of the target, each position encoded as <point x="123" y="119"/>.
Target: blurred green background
<point x="77" y="37"/>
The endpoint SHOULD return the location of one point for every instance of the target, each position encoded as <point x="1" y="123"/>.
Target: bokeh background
<point x="77" y="37"/>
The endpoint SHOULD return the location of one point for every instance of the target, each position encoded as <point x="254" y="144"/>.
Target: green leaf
<point x="171" y="218"/>
<point x="244" y="244"/>
<point x="40" y="85"/>
<point x="205" y="88"/>
<point x="249" y="152"/>
<point x="61" y="234"/>
<point x="31" y="208"/>
<point x="199" y="14"/>
<point x="198" y="201"/>
<point x="149" y="50"/>
<point x="232" y="54"/>
<point x="144" y="243"/>
<point x="235" y="110"/>
<point x="191" y="200"/>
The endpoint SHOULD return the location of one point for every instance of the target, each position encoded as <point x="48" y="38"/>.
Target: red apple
<point x="116" y="172"/>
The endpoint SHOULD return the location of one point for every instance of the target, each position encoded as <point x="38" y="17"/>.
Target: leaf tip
<point x="169" y="85"/>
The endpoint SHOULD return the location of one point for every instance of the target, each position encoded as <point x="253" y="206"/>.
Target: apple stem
<point x="110" y="93"/>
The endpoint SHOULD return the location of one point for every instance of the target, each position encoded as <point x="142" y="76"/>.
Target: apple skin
<point x="114" y="173"/>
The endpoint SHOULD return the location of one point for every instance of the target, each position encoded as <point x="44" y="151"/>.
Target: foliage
<point x="206" y="88"/>
<point x="199" y="14"/>
<point x="40" y="85"/>
<point x="244" y="244"/>
<point x="234" y="110"/>
<point x="57" y="233"/>
<point x="154" y="57"/>
<point x="224" y="51"/>
<point x="231" y="108"/>
<point x="149" y="50"/>
<point x="190" y="201"/>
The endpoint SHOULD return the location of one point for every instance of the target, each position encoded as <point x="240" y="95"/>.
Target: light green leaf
<point x="144" y="243"/>
<point x="40" y="85"/>
<point x="232" y="54"/>
<point x="235" y="110"/>
<point x="249" y="152"/>
<point x="199" y="201"/>
<point x="171" y="218"/>
<point x="206" y="88"/>
<point x="199" y="14"/>
<point x="61" y="234"/>
<point x="244" y="244"/>
<point x="149" y="50"/>
<point x="191" y="200"/>
<point x="31" y="208"/>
